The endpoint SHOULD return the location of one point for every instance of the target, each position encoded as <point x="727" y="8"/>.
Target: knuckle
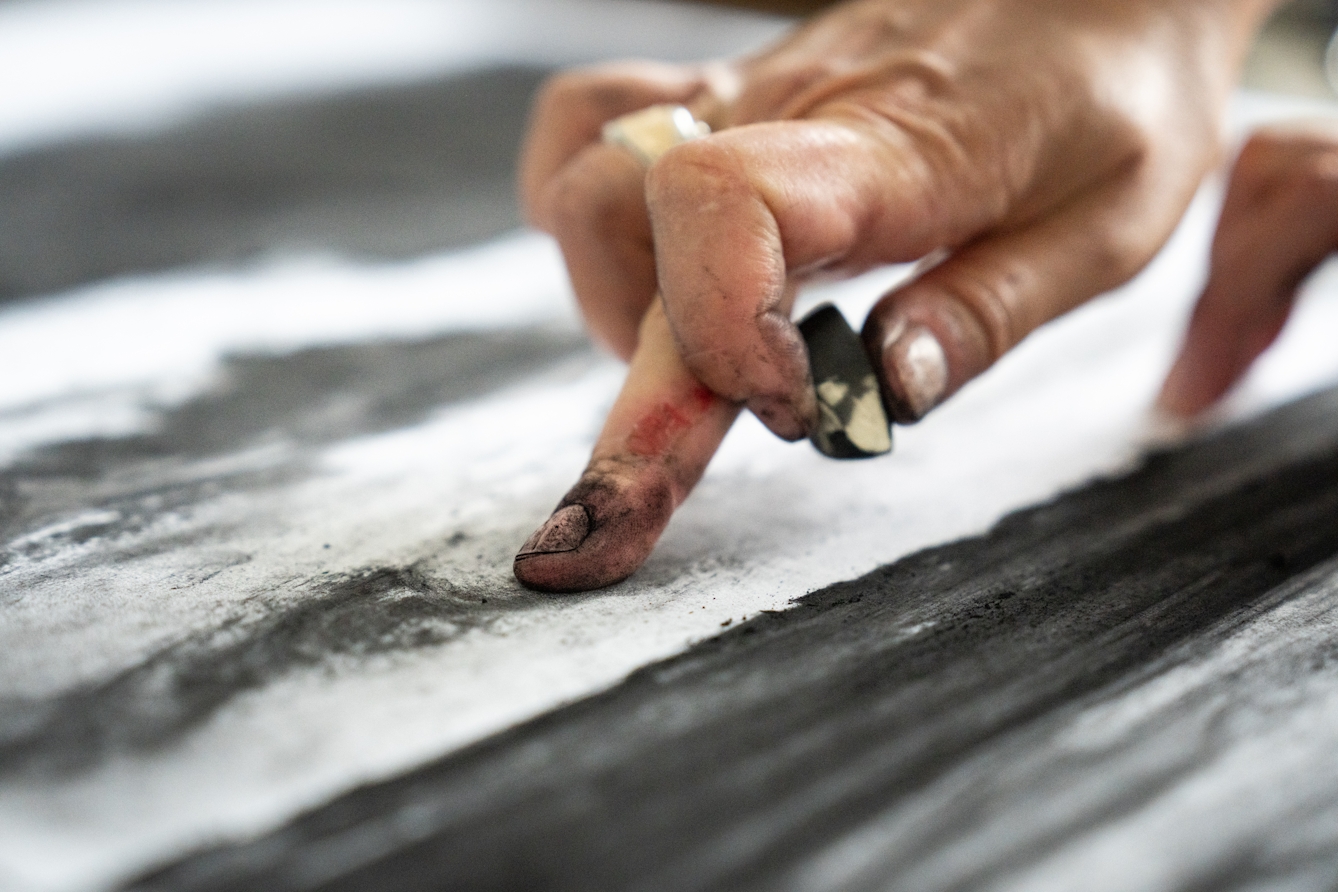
<point x="1289" y="155"/>
<point x="585" y="197"/>
<point x="596" y="93"/>
<point x="561" y="91"/>
<point x="694" y="171"/>
<point x="1263" y="162"/>
<point x="570" y="200"/>
<point x="777" y="88"/>
<point x="1264" y="144"/>
<point x="989" y="298"/>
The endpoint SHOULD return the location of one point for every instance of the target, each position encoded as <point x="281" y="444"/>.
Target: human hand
<point x="1048" y="148"/>
<point x="1279" y="222"/>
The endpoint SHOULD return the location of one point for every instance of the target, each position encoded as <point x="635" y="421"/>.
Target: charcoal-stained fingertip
<point x="564" y="531"/>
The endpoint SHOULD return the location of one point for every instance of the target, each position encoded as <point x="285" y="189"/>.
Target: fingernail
<point x="779" y="417"/>
<point x="917" y="372"/>
<point x="564" y="531"/>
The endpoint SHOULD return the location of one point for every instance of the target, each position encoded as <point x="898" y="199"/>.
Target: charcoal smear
<point x="307" y="398"/>
<point x="304" y="400"/>
<point x="379" y="610"/>
<point x="742" y="763"/>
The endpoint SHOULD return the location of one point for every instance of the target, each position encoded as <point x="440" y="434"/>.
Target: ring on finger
<point x="652" y="131"/>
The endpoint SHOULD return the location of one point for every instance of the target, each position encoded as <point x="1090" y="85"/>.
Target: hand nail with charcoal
<point x="916" y="370"/>
<point x="564" y="531"/>
<point x="655" y="445"/>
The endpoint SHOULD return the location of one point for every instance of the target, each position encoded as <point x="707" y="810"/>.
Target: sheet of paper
<point x="194" y="642"/>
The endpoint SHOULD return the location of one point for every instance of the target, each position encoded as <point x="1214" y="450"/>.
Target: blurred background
<point x="139" y="135"/>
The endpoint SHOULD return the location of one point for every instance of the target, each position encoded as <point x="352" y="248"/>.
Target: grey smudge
<point x="151" y="704"/>
<point x="306" y="399"/>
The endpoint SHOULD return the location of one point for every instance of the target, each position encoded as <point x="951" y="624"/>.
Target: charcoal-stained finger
<point x="737" y="216"/>
<point x="655" y="446"/>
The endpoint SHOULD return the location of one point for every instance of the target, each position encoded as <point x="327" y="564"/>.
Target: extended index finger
<point x="662" y="432"/>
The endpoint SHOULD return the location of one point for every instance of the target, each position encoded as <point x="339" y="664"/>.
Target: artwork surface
<point x="284" y="385"/>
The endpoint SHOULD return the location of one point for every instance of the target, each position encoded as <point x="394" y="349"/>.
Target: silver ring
<point x="651" y="132"/>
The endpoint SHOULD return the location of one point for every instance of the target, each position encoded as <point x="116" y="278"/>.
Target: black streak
<point x="376" y="611"/>
<point x="306" y="398"/>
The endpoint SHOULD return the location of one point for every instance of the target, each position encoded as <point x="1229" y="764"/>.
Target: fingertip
<point x="926" y="347"/>
<point x="783" y="418"/>
<point x="602" y="531"/>
<point x="1200" y="376"/>
<point x="1228" y="330"/>
<point x="570" y="107"/>
<point x="1179" y="396"/>
<point x="915" y="372"/>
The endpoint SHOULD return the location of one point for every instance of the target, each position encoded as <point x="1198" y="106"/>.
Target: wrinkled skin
<point x="1041" y="152"/>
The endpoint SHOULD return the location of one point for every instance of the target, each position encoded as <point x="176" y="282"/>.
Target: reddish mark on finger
<point x="651" y="434"/>
<point x="655" y="431"/>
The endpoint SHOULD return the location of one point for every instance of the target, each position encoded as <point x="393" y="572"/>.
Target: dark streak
<point x="735" y="764"/>
<point x="303" y="399"/>
<point x="379" y="610"/>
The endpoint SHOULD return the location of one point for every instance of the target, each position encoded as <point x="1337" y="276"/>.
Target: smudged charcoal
<point x="384" y="172"/>
<point x="150" y="705"/>
<point x="852" y="422"/>
<point x="306" y="399"/>
<point x="742" y="762"/>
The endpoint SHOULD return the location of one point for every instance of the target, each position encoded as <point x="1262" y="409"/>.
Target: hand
<point x="1279" y="222"/>
<point x="1049" y="148"/>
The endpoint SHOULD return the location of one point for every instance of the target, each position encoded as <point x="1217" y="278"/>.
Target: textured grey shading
<point x="914" y="718"/>
<point x="304" y="399"/>
<point x="310" y="397"/>
<point x="852" y="422"/>
<point x="387" y="172"/>
<point x="380" y="610"/>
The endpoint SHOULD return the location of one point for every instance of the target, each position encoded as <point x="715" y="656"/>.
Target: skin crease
<point x="1046" y="149"/>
